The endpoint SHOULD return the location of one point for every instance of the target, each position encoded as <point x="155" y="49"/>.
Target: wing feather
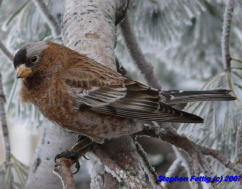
<point x="107" y="92"/>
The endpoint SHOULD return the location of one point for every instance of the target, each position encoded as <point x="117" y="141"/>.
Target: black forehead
<point x="20" y="57"/>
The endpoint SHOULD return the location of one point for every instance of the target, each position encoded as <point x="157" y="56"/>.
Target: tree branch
<point x="148" y="168"/>
<point x="220" y="157"/>
<point x="4" y="125"/>
<point x="170" y="136"/>
<point x="145" y="67"/>
<point x="7" y="168"/>
<point x="239" y="143"/>
<point x="186" y="161"/>
<point x="6" y="52"/>
<point x="173" y="170"/>
<point x="118" y="172"/>
<point x="240" y="2"/>
<point x="50" y="20"/>
<point x="225" y="42"/>
<point x="63" y="165"/>
<point x="121" y="11"/>
<point x="175" y="166"/>
<point x="63" y="171"/>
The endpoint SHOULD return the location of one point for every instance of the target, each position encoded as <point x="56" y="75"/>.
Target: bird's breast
<point x="51" y="98"/>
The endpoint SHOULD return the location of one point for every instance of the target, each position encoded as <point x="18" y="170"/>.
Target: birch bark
<point x="54" y="141"/>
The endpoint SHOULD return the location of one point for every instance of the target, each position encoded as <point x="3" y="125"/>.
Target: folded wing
<point x="101" y="90"/>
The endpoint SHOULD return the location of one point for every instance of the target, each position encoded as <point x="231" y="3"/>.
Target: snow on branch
<point x="239" y="142"/>
<point x="171" y="136"/>
<point x="4" y="125"/>
<point x="225" y="42"/>
<point x="145" y="67"/>
<point x="48" y="17"/>
<point x="147" y="167"/>
<point x="3" y="120"/>
<point x="118" y="172"/>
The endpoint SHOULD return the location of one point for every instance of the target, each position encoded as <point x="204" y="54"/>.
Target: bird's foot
<point x="67" y="154"/>
<point x="78" y="150"/>
<point x="70" y="155"/>
<point x="80" y="138"/>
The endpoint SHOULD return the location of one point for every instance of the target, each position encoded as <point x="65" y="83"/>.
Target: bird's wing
<point x="143" y="103"/>
<point x="104" y="91"/>
<point x="93" y="84"/>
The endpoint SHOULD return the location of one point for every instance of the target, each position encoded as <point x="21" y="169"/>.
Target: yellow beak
<point x="23" y="71"/>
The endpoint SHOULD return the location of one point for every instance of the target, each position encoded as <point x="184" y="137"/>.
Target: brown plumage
<point x="81" y="95"/>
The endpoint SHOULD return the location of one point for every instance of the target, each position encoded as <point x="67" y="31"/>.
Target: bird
<point x="84" y="96"/>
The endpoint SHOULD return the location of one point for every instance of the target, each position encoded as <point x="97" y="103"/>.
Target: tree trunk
<point x="89" y="28"/>
<point x="54" y="141"/>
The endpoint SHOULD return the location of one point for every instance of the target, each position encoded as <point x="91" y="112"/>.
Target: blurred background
<point x="180" y="38"/>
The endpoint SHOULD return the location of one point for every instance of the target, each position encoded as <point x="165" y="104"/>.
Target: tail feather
<point x="178" y="97"/>
<point x="185" y="118"/>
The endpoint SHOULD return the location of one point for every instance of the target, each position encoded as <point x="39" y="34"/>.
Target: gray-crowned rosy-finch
<point x="82" y="95"/>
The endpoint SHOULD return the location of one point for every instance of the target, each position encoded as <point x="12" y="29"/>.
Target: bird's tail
<point x="178" y="97"/>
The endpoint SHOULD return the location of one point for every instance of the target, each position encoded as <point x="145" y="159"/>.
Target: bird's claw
<point x="66" y="154"/>
<point x="80" y="138"/>
<point x="77" y="167"/>
<point x="78" y="150"/>
<point x="70" y="155"/>
<point x="85" y="157"/>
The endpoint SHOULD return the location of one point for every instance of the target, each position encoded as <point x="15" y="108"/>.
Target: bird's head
<point x="28" y="58"/>
<point x="44" y="57"/>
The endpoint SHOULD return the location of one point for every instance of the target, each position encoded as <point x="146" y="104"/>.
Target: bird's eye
<point x="34" y="59"/>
